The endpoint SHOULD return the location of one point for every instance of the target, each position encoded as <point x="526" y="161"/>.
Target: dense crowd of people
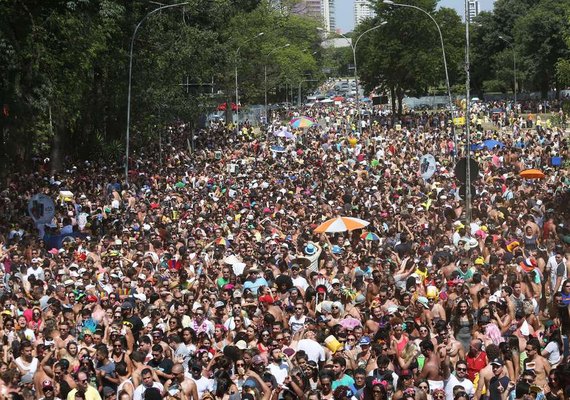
<point x="204" y="278"/>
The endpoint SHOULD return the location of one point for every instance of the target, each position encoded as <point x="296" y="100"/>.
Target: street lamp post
<point x="130" y="80"/>
<point x="390" y="2"/>
<point x="236" y="74"/>
<point x="467" y="121"/>
<point x="265" y="75"/>
<point x="514" y="67"/>
<point x="353" y="47"/>
<point x="356" y="74"/>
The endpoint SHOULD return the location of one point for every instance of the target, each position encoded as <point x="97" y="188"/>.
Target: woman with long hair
<point x="374" y="389"/>
<point x="251" y="335"/>
<point x="553" y="350"/>
<point x="263" y="342"/>
<point x="462" y="324"/>
<point x="220" y="337"/>
<point x="556" y="385"/>
<point x="507" y="357"/>
<point x="398" y="338"/>
<point x="423" y="385"/>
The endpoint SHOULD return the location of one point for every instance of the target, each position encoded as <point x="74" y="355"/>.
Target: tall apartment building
<point x="472" y="9"/>
<point x="324" y="10"/>
<point x="362" y="10"/>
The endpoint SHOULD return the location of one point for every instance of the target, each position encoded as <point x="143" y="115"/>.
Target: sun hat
<point x="310" y="249"/>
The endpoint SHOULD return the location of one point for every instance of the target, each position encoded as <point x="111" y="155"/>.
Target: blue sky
<point x="345" y="15"/>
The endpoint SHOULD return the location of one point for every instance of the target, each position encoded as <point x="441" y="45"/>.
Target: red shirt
<point x="475" y="364"/>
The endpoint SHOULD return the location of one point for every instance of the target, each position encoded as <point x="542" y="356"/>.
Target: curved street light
<point x="130" y="80"/>
<point x="236" y="74"/>
<point x="511" y="44"/>
<point x="265" y="74"/>
<point x="391" y="3"/>
<point x="353" y="47"/>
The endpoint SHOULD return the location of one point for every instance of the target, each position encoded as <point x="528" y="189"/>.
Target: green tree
<point x="404" y="56"/>
<point x="540" y="36"/>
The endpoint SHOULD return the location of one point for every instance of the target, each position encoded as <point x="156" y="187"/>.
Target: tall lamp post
<point x="353" y="47"/>
<point x="130" y="80"/>
<point x="236" y="73"/>
<point x="467" y="120"/>
<point x="265" y="74"/>
<point x="511" y="44"/>
<point x="390" y="2"/>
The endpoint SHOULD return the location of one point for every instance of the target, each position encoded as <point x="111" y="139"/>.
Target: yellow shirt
<point x="90" y="394"/>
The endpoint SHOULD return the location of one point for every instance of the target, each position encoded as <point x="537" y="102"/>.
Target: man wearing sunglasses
<point x="83" y="388"/>
<point x="459" y="378"/>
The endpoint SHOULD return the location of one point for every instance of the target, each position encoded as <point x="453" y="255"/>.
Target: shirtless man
<point x="535" y="362"/>
<point x="436" y="309"/>
<point x="181" y="385"/>
<point x="434" y="370"/>
<point x="373" y="323"/>
<point x="373" y="288"/>
<point x="452" y="348"/>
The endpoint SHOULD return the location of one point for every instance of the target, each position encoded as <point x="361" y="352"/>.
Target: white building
<point x="324" y="10"/>
<point x="328" y="15"/>
<point x="362" y="10"/>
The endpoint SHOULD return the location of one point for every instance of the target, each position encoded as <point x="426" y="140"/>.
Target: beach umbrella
<point x="302" y="122"/>
<point x="350" y="323"/>
<point x="370" y="236"/>
<point x="532" y="174"/>
<point x="492" y="143"/>
<point x="341" y="224"/>
<point x="284" y="133"/>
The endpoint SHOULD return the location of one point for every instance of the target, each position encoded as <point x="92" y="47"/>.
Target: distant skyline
<point x="345" y="11"/>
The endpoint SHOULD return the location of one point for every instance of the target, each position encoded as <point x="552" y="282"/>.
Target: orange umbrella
<point x="532" y="174"/>
<point x="341" y="224"/>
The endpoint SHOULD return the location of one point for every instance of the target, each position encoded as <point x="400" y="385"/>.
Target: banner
<point x="41" y="208"/>
<point x="459" y="121"/>
<point x="427" y="166"/>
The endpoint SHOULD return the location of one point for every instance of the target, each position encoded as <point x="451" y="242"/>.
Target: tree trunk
<point x="56" y="156"/>
<point x="400" y="96"/>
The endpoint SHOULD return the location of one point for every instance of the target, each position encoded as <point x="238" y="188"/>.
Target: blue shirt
<point x="254" y="286"/>
<point x="346" y="380"/>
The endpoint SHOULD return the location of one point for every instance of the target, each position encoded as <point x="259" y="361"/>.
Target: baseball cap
<point x="47" y="384"/>
<point x="127" y="305"/>
<point x="219" y="304"/>
<point x="108" y="391"/>
<point x="365" y="341"/>
<point x="497" y="361"/>
<point x="257" y="360"/>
